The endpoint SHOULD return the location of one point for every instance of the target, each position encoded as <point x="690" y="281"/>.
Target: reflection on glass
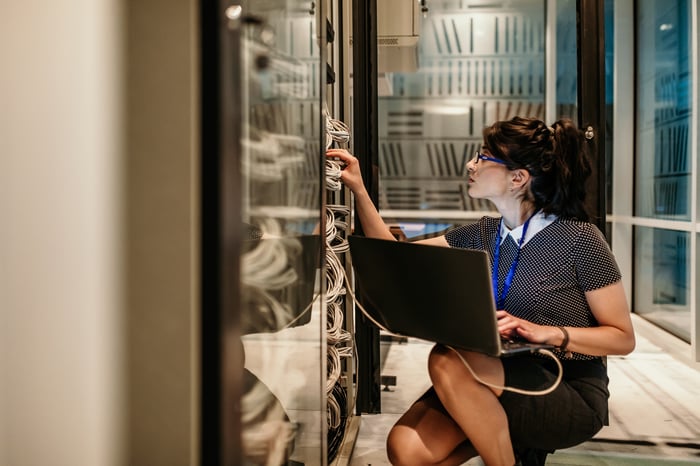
<point x="664" y="109"/>
<point x="662" y="278"/>
<point x="476" y="65"/>
<point x="609" y="104"/>
<point x="567" y="60"/>
<point x="282" y="407"/>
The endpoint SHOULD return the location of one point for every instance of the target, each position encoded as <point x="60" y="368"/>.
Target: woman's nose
<point x="469" y="167"/>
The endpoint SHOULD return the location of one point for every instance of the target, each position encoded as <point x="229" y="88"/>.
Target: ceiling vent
<point x="398" y="30"/>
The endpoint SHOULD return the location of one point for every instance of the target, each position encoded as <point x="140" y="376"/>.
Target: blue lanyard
<point x="500" y="300"/>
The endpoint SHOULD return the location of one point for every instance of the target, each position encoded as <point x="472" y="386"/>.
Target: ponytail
<point x="572" y="168"/>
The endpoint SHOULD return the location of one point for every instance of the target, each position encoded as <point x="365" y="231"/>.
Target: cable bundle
<point x="334" y="278"/>
<point x="336" y="335"/>
<point x="336" y="429"/>
<point x="271" y="155"/>
<point x="264" y="312"/>
<point x="267" y="265"/>
<point x="333" y="170"/>
<point x="267" y="435"/>
<point x="266" y="270"/>
<point x="340" y="341"/>
<point x="336" y="130"/>
<point x="336" y="226"/>
<point x="334" y="368"/>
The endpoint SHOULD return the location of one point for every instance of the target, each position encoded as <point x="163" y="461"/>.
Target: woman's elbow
<point x="628" y="343"/>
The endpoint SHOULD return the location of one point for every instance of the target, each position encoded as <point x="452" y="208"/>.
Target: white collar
<point x="537" y="223"/>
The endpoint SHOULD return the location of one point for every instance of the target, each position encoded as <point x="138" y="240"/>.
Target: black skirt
<point x="571" y="414"/>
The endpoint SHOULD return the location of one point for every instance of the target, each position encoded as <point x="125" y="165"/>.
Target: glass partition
<point x="662" y="278"/>
<point x="476" y="63"/>
<point x="283" y="410"/>
<point x="566" y="60"/>
<point x="663" y="164"/>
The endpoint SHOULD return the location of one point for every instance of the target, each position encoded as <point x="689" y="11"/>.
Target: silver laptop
<point x="433" y="293"/>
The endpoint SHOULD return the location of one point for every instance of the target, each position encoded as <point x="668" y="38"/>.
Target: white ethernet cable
<point x="335" y="227"/>
<point x="336" y="130"/>
<point x="335" y="273"/>
<point x="267" y="267"/>
<point x="333" y="169"/>
<point x="267" y="264"/>
<point x="272" y="155"/>
<point x="333" y="368"/>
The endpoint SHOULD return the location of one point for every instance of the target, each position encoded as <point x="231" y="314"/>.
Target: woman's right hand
<point x="373" y="225"/>
<point x="350" y="175"/>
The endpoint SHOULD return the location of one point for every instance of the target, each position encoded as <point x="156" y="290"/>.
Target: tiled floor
<point x="654" y="406"/>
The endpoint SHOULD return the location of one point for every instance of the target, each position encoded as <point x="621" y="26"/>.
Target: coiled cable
<point x="336" y="130"/>
<point x="333" y="170"/>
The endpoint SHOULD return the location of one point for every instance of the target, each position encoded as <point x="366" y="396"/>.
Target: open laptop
<point x="433" y="293"/>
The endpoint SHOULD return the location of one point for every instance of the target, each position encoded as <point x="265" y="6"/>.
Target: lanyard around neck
<point x="500" y="299"/>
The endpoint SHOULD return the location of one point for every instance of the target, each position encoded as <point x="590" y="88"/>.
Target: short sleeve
<point x="462" y="237"/>
<point x="595" y="264"/>
<point x="472" y="236"/>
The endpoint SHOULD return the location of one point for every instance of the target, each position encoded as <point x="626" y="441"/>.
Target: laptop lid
<point x="433" y="293"/>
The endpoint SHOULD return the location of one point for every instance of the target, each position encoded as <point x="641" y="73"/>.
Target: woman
<point x="555" y="282"/>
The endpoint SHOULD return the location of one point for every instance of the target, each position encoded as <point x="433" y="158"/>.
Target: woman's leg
<point x="427" y="435"/>
<point x="472" y="405"/>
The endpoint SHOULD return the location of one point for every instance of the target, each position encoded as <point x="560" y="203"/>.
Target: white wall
<point x="78" y="215"/>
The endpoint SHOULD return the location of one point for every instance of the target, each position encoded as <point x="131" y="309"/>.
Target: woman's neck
<point x="517" y="214"/>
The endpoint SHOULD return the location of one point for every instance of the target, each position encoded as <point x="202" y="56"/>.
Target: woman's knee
<point x="448" y="368"/>
<point x="444" y="364"/>
<point x="440" y="361"/>
<point x="403" y="447"/>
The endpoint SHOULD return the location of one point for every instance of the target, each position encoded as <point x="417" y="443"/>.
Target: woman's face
<point x="488" y="177"/>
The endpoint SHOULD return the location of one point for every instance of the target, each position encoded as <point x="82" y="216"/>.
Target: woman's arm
<point x="372" y="223"/>
<point x="613" y="335"/>
<point x="434" y="241"/>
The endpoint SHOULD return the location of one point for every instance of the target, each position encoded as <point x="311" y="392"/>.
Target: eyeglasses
<point x="479" y="156"/>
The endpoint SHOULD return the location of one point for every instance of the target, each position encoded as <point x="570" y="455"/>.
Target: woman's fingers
<point x="512" y="326"/>
<point x="342" y="154"/>
<point x="507" y="324"/>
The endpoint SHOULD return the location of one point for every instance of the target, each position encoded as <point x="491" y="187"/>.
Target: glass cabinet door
<point x="473" y="63"/>
<point x="476" y="63"/>
<point x="281" y="313"/>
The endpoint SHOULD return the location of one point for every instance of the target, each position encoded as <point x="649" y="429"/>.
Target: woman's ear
<point x="519" y="178"/>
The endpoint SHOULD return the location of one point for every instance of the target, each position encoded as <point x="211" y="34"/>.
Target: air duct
<point x="398" y="30"/>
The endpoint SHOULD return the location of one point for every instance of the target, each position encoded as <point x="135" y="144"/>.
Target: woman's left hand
<point x="512" y="327"/>
<point x="614" y="333"/>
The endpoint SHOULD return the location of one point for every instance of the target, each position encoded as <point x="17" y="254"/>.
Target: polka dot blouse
<point x="556" y="267"/>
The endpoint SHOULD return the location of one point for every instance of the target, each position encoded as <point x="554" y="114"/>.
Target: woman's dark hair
<point x="556" y="158"/>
